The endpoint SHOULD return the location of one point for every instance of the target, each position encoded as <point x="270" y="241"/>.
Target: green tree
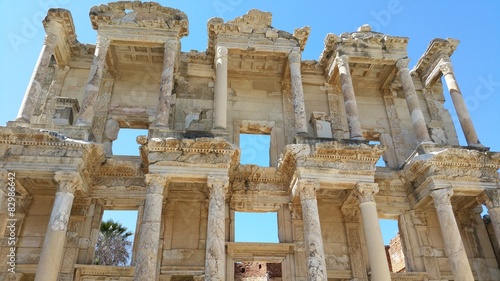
<point x="113" y="246"/>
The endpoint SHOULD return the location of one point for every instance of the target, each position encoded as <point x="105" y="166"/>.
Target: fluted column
<point x="459" y="104"/>
<point x="94" y="82"/>
<point x="147" y="254"/>
<point x="365" y="192"/>
<point x="53" y="246"/>
<point x="220" y="97"/>
<point x="417" y="117"/>
<point x="453" y="245"/>
<point x="299" y="109"/>
<point x="215" y="260"/>
<point x="166" y="84"/>
<point x="351" y="107"/>
<point x="492" y="202"/>
<point x="37" y="79"/>
<point x="316" y="264"/>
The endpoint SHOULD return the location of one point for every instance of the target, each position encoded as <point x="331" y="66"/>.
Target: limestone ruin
<point x="329" y="122"/>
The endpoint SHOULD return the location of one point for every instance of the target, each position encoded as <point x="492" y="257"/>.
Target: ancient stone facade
<point x="329" y="122"/>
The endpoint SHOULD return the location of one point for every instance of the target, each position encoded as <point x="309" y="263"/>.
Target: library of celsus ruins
<point x="355" y="136"/>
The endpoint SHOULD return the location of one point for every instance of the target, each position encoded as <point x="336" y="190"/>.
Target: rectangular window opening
<point x="393" y="245"/>
<point x="256" y="227"/>
<point x="257" y="270"/>
<point x="116" y="238"/>
<point x="380" y="162"/>
<point x="255" y="149"/>
<point x="126" y="144"/>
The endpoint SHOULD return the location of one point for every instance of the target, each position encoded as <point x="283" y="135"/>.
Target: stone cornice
<point x="143" y="15"/>
<point x="437" y="49"/>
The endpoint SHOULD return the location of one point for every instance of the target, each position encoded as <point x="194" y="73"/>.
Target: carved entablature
<point x="256" y="178"/>
<point x="466" y="170"/>
<point x="143" y="14"/>
<point x="117" y="168"/>
<point x="255" y="31"/>
<point x="427" y="67"/>
<point x="363" y="42"/>
<point x="59" y="23"/>
<point x="199" y="152"/>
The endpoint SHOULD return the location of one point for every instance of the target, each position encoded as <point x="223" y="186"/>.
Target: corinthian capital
<point x="446" y="68"/>
<point x="402" y="63"/>
<point x="221" y="51"/>
<point x="155" y="183"/>
<point x="68" y="181"/>
<point x="491" y="198"/>
<point x="365" y="192"/>
<point x="442" y="197"/>
<point x="342" y="61"/>
<point x="218" y="185"/>
<point x="102" y="41"/>
<point x="294" y="57"/>
<point x="307" y="188"/>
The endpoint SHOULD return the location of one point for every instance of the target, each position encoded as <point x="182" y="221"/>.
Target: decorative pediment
<point x="139" y="14"/>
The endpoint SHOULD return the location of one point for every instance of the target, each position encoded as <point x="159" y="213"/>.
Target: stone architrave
<point x="316" y="264"/>
<point x="459" y="104"/>
<point x="215" y="259"/>
<point x="94" y="82"/>
<point x="53" y="246"/>
<point x="365" y="192"/>
<point x="417" y="117"/>
<point x="294" y="58"/>
<point x="492" y="202"/>
<point x="37" y="79"/>
<point x="166" y="84"/>
<point x="453" y="245"/>
<point x="351" y="107"/>
<point x="220" y="97"/>
<point x="147" y="254"/>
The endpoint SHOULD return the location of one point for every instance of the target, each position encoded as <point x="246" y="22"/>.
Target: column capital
<point x="216" y="183"/>
<point x="307" y="188"/>
<point x="446" y="68"/>
<point x="490" y="198"/>
<point x="342" y="60"/>
<point x="155" y="183"/>
<point x="402" y="63"/>
<point x="68" y="181"/>
<point x="365" y="192"/>
<point x="294" y="57"/>
<point x="442" y="197"/>
<point x="102" y="41"/>
<point x="221" y="52"/>
<point x="170" y="44"/>
<point x="50" y="39"/>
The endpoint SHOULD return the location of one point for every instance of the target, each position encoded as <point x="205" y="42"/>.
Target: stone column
<point x="316" y="264"/>
<point x="351" y="108"/>
<point x="220" y="97"/>
<point x="365" y="192"/>
<point x="94" y="82"/>
<point x="53" y="246"/>
<point x="492" y="202"/>
<point x="453" y="245"/>
<point x="37" y="79"/>
<point x="166" y="84"/>
<point x="149" y="237"/>
<point x="417" y="117"/>
<point x="294" y="58"/>
<point x="215" y="260"/>
<point x="459" y="104"/>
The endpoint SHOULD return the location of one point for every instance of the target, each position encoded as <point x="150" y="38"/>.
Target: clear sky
<point x="476" y="24"/>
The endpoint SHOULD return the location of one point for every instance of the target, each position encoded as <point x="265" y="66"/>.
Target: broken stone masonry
<point x="323" y="117"/>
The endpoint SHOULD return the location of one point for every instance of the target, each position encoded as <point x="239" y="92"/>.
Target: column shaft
<point x="94" y="82"/>
<point x="316" y="264"/>
<point x="166" y="85"/>
<point x="351" y="107"/>
<point x="215" y="260"/>
<point x="373" y="235"/>
<point x="417" y="117"/>
<point x="220" y="98"/>
<point x="453" y="245"/>
<point x="459" y="104"/>
<point x="147" y="255"/>
<point x="55" y="237"/>
<point x="37" y="79"/>
<point x="298" y="93"/>
<point x="492" y="202"/>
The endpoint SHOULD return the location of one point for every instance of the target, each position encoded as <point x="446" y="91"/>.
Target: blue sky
<point x="475" y="24"/>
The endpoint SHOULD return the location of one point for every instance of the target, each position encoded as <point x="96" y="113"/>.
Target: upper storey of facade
<point x="251" y="79"/>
